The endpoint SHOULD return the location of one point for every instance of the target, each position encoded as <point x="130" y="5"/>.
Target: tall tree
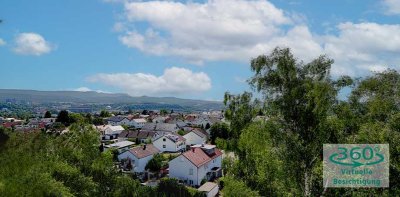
<point x="302" y="96"/>
<point x="63" y="117"/>
<point x="47" y="114"/>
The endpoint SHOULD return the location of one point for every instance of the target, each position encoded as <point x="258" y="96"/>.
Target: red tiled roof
<point x="198" y="157"/>
<point x="139" y="152"/>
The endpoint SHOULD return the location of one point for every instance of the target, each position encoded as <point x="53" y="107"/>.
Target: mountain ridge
<point x="93" y="97"/>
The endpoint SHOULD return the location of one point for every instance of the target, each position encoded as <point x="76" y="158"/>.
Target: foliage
<point x="181" y="132"/>
<point x="155" y="163"/>
<point x="236" y="188"/>
<point x="47" y="114"/>
<point x="98" y="121"/>
<point x="105" y="114"/>
<point x="219" y="130"/>
<point x="171" y="188"/>
<point x="281" y="156"/>
<point x="44" y="164"/>
<point x="163" y="112"/>
<point x="63" y="117"/>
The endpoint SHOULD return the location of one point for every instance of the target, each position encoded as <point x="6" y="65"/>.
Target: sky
<point x="187" y="49"/>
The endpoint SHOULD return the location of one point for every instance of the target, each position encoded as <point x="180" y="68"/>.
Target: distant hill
<point x="92" y="97"/>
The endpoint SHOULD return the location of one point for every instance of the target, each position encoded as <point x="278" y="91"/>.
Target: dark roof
<point x="200" y="132"/>
<point x="116" y="118"/>
<point x="141" y="151"/>
<point x="137" y="134"/>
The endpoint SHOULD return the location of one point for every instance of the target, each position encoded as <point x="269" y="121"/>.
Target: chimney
<point x="202" y="145"/>
<point x="193" y="149"/>
<point x="144" y="147"/>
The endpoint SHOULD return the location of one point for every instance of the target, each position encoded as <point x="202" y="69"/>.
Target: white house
<point x="192" y="166"/>
<point x="170" y="143"/>
<point x="138" y="123"/>
<point x="209" y="188"/>
<point x="110" y="132"/>
<point x="118" y="120"/>
<point x="195" y="136"/>
<point x="139" y="156"/>
<point x="120" y="146"/>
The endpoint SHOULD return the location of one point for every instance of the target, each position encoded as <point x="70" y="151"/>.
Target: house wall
<point x="180" y="166"/>
<point x="170" y="146"/>
<point x="192" y="138"/>
<point x="139" y="164"/>
<point x="213" y="192"/>
<point x="179" y="169"/>
<point x="138" y="124"/>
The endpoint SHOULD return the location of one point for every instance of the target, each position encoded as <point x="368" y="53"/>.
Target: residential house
<point x="139" y="157"/>
<point x="118" y="120"/>
<point x="196" y="136"/>
<point x="198" y="163"/>
<point x="110" y="132"/>
<point x="170" y="143"/>
<point x="138" y="123"/>
<point x="120" y="146"/>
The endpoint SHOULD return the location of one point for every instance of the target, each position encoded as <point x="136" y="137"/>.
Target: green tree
<point x="155" y="164"/>
<point x="302" y="95"/>
<point x="98" y="121"/>
<point x="235" y="187"/>
<point x="219" y="130"/>
<point x="76" y="118"/>
<point x="47" y="114"/>
<point x="63" y="117"/>
<point x="207" y="126"/>
<point x="163" y="112"/>
<point x="105" y="114"/>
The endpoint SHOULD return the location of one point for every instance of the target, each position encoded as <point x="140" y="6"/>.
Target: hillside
<point x="98" y="98"/>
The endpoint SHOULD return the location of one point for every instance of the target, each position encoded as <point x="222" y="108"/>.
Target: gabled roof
<point x="116" y="118"/>
<point x="198" y="157"/>
<point x="200" y="133"/>
<point x="166" y="127"/>
<point x="137" y="134"/>
<point x="139" y="120"/>
<point x="149" y="126"/>
<point x="174" y="138"/>
<point x="144" y="151"/>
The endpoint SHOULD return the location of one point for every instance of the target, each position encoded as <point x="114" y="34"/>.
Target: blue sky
<point x="187" y="49"/>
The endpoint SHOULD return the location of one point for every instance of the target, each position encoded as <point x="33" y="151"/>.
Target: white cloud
<point x="172" y="82"/>
<point x="2" y="42"/>
<point x="238" y="30"/>
<point x="83" y="89"/>
<point x="392" y="7"/>
<point x="214" y="30"/>
<point x="363" y="47"/>
<point x="31" y="44"/>
<point x="86" y="89"/>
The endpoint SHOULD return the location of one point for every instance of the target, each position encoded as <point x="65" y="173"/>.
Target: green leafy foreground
<point x="278" y="137"/>
<point x="71" y="164"/>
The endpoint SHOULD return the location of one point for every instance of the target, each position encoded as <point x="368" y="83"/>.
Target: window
<point x="191" y="171"/>
<point x="164" y="146"/>
<point x="213" y="160"/>
<point x="163" y="139"/>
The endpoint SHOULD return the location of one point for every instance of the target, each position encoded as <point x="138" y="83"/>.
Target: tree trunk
<point x="307" y="182"/>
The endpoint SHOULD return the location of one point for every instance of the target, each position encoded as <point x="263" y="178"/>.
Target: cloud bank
<point x="174" y="81"/>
